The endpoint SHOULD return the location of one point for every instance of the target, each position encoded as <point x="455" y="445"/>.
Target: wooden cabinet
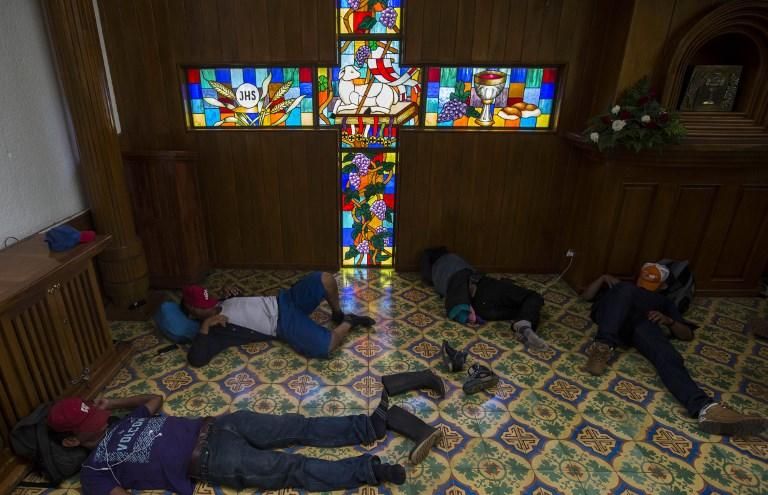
<point x="167" y="209"/>
<point x="54" y="337"/>
<point x="705" y="204"/>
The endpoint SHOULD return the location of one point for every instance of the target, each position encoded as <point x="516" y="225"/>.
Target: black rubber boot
<point x="413" y="380"/>
<point x="410" y="426"/>
<point x="453" y="360"/>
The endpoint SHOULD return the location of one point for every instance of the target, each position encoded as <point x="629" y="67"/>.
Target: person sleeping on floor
<point x="636" y="315"/>
<point x="235" y="320"/>
<point x="471" y="297"/>
<point x="147" y="451"/>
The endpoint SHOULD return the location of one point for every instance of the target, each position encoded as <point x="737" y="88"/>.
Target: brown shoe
<point x="719" y="419"/>
<point x="759" y="327"/>
<point x="599" y="354"/>
<point x="681" y="331"/>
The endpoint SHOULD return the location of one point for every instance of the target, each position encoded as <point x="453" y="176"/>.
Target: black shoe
<point x="480" y="378"/>
<point x="413" y="380"/>
<point x="453" y="360"/>
<point x="405" y="423"/>
<point x="358" y="321"/>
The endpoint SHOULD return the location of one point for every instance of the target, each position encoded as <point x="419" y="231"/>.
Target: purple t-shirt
<point x="142" y="452"/>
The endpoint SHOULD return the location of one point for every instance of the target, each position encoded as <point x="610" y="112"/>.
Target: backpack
<point x="31" y="439"/>
<point x="174" y="324"/>
<point x="681" y="285"/>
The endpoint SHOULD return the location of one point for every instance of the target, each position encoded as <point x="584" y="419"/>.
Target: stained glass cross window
<point x="369" y="97"/>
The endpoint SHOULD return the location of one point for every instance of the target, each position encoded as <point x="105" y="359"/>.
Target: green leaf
<point x="381" y="257"/>
<point x="351" y="253"/>
<point x="472" y="112"/>
<point x="373" y="45"/>
<point x="348" y="168"/>
<point x="387" y="166"/>
<point x="357" y="227"/>
<point x="367" y="23"/>
<point x="322" y="83"/>
<point x="348" y="157"/>
<point x="377" y="242"/>
<point x="388" y="216"/>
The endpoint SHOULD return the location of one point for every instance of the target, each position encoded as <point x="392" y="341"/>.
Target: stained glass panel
<point x="369" y="16"/>
<point x="249" y="96"/>
<point x="368" y="202"/>
<point x="509" y="98"/>
<point x="369" y="95"/>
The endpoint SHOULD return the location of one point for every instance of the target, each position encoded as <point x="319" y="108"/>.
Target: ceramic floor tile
<point x="547" y="428"/>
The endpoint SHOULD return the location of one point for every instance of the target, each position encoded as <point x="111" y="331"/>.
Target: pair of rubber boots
<point x="480" y="377"/>
<point x="405" y="423"/>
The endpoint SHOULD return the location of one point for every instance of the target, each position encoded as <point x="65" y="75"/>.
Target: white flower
<point x="616" y="109"/>
<point x="594" y="137"/>
<point x="645" y="119"/>
<point x="618" y="125"/>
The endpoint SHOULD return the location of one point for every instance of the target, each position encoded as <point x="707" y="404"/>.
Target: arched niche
<point x="736" y="33"/>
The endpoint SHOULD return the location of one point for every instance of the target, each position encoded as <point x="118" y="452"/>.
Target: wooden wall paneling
<point x="445" y="41"/>
<point x="658" y="224"/>
<point x="737" y="260"/>
<point x="272" y="158"/>
<point x="689" y="221"/>
<point x="632" y="225"/>
<point x="500" y="14"/>
<point x="325" y="31"/>
<point x="514" y="31"/>
<point x="412" y="31"/>
<point x="481" y="26"/>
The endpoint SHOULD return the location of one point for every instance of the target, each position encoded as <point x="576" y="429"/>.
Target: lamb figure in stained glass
<point x="378" y="99"/>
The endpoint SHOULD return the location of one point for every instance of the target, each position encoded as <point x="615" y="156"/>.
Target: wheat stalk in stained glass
<point x="223" y="97"/>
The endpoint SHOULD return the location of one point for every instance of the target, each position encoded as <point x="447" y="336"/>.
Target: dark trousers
<point x="205" y="347"/>
<point x="238" y="454"/>
<point x="619" y="321"/>
<point x="504" y="300"/>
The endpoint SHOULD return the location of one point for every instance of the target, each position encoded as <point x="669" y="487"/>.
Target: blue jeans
<point x="238" y="454"/>
<point x="621" y="316"/>
<point x="294" y="326"/>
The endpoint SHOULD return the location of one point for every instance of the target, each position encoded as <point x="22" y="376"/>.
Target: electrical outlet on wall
<point x="570" y="253"/>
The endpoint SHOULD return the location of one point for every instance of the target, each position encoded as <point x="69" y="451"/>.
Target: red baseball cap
<point x="199" y="297"/>
<point x="75" y="415"/>
<point x="87" y="236"/>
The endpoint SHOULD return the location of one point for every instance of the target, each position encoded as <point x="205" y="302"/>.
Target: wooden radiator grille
<point x="48" y="345"/>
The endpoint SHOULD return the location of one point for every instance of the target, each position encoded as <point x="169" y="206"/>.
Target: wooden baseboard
<point x="142" y="313"/>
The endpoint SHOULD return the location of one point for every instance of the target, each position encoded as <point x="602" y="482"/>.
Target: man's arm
<point x="152" y="402"/>
<point x="591" y="291"/>
<point x="118" y="490"/>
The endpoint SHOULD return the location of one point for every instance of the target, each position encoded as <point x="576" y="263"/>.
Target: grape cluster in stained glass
<point x="526" y="100"/>
<point x="249" y="97"/>
<point x="369" y="16"/>
<point x="368" y="200"/>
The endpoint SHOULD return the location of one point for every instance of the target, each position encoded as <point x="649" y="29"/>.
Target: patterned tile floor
<point x="547" y="428"/>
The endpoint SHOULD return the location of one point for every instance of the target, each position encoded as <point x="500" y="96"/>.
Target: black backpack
<point x="681" y="285"/>
<point x="31" y="439"/>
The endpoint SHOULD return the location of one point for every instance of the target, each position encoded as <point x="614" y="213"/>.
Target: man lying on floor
<point x="236" y="321"/>
<point x="633" y="315"/>
<point x="146" y="451"/>
<point x="471" y="297"/>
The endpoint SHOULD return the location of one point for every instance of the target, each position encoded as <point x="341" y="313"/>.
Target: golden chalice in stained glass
<point x="488" y="84"/>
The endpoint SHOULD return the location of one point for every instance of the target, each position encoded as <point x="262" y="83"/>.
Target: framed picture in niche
<point x="711" y="88"/>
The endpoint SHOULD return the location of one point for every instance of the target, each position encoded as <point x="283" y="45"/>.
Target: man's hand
<point x="102" y="403"/>
<point x="213" y="321"/>
<point x="660" y="318"/>
<point x="610" y="280"/>
<point x="230" y="291"/>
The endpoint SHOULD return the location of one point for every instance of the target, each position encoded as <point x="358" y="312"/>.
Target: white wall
<point x="39" y="183"/>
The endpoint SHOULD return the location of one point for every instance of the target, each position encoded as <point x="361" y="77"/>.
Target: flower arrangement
<point x="637" y="121"/>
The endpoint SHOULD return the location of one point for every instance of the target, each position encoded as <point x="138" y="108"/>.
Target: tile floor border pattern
<point x="547" y="428"/>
